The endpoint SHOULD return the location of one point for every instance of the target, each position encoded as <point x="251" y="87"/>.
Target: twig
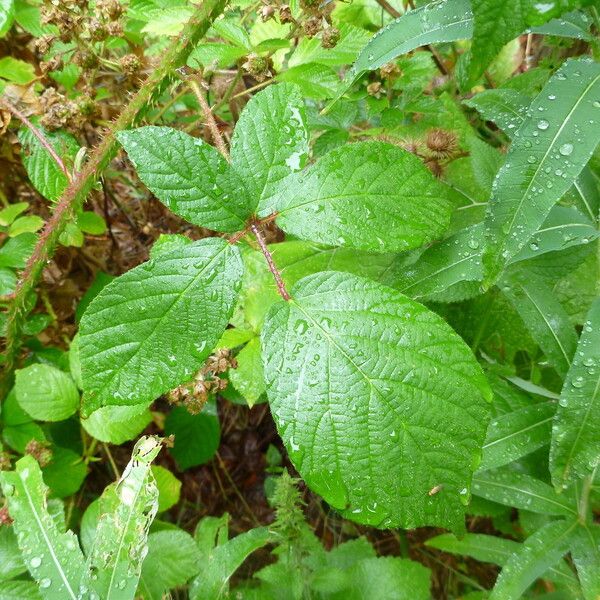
<point x="77" y="191"/>
<point x="210" y="119"/>
<point x="276" y="274"/>
<point x="39" y="135"/>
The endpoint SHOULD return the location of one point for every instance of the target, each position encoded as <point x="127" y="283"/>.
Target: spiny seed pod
<point x="130" y="64"/>
<point x="85" y="59"/>
<point x="389" y="71"/>
<point x="266" y="13"/>
<point x="58" y="115"/>
<point x="4" y="461"/>
<point x="111" y="9"/>
<point x="310" y="5"/>
<point x="285" y="14"/>
<point x="40" y="451"/>
<point x="50" y="97"/>
<point x="441" y="143"/>
<point x="312" y="26"/>
<point x="114" y="29"/>
<point x="54" y="64"/>
<point x="434" y="166"/>
<point x="43" y="44"/>
<point x="330" y="38"/>
<point x="374" y="89"/>
<point x="258" y="66"/>
<point x="49" y="15"/>
<point x="98" y="30"/>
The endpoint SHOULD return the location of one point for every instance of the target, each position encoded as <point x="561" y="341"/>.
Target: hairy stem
<point x="210" y="119"/>
<point x="269" y="258"/>
<point x="77" y="191"/>
<point x="39" y="135"/>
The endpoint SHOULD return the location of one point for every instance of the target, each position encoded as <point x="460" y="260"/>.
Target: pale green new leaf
<point x="189" y="176"/>
<point x="574" y="450"/>
<point x="585" y="551"/>
<point x="150" y="329"/>
<point x="221" y="562"/>
<point x="505" y="107"/>
<point x="539" y="552"/>
<point x="543" y="316"/>
<point x="370" y="196"/>
<point x="547" y="154"/>
<point x="19" y="590"/>
<point x="7" y="15"/>
<point x="53" y="558"/>
<point x="511" y="488"/>
<point x="270" y="140"/>
<point x="127" y="510"/>
<point x="46" y="393"/>
<point x="45" y="175"/>
<point x="117" y="424"/>
<point x="248" y="378"/>
<point x="375" y="396"/>
<point x="516" y="434"/>
<point x="445" y="21"/>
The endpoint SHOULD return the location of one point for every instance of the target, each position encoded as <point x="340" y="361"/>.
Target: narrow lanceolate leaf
<point x="270" y="140"/>
<point x="369" y="196"/>
<point x="547" y="154"/>
<point x="516" y="434"/>
<point x="585" y="551"/>
<point x="455" y="260"/>
<point x="188" y="176"/>
<point x="521" y="491"/>
<point x="150" y="329"/>
<point x="128" y="508"/>
<point x="366" y="387"/>
<point x="53" y="558"/>
<point x="574" y="451"/>
<point x="539" y="552"/>
<point x="505" y="107"/>
<point x="437" y="22"/>
<point x="544" y="316"/>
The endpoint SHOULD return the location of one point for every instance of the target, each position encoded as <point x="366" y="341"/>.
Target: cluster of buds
<point x="40" y="451"/>
<point x="60" y="112"/>
<point x="194" y="394"/>
<point x="260" y="67"/>
<point x="5" y="464"/>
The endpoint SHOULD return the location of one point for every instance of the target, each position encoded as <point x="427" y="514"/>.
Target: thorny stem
<point x="40" y="136"/>
<point x="269" y="258"/>
<point x="79" y="188"/>
<point x="210" y="119"/>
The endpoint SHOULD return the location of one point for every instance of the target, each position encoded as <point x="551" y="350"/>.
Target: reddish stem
<point x="268" y="256"/>
<point x="40" y="136"/>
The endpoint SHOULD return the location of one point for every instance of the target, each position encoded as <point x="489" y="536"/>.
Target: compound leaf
<point x="54" y="559"/>
<point x="375" y="396"/>
<point x="369" y="196"/>
<point x="574" y="449"/>
<point x="270" y="140"/>
<point x="189" y="176"/>
<point x="150" y="329"/>
<point x="547" y="154"/>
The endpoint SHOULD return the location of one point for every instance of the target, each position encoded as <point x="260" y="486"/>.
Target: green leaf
<point x="53" y="558"/>
<point x="543" y="316"/>
<point x="167" y="243"/>
<point x="65" y="473"/>
<point x="11" y="561"/>
<point x="505" y="107"/>
<point x="404" y="367"/>
<point x="369" y="196"/>
<point x="19" y="590"/>
<point x="169" y="488"/>
<point x="46" y="393"/>
<point x="215" y="54"/>
<point x="197" y="437"/>
<point x="173" y="559"/>
<point x="117" y="424"/>
<point x="15" y="70"/>
<point x="547" y="155"/>
<point x="150" y="329"/>
<point x="248" y="378"/>
<point x="7" y="14"/>
<point x="8" y="281"/>
<point x="314" y="80"/>
<point x="585" y="551"/>
<point x="574" y="449"/>
<point x="91" y="222"/>
<point x="27" y="224"/>
<point x="485" y="548"/>
<point x="437" y="22"/>
<point x="574" y="25"/>
<point x="11" y="212"/>
<point x="539" y="552"/>
<point x="15" y="251"/>
<point x="516" y="434"/>
<point x="188" y="176"/>
<point x="45" y="175"/>
<point x="222" y="561"/>
<point x="521" y="491"/>
<point x="270" y="140"/>
<point x="113" y="567"/>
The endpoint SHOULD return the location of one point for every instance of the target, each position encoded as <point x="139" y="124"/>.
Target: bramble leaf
<point x="574" y="450"/>
<point x="149" y="330"/>
<point x="375" y="396"/>
<point x="369" y="196"/>
<point x="189" y="176"/>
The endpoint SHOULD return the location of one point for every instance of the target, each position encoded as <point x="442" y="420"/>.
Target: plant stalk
<point x="269" y="258"/>
<point x="81" y="185"/>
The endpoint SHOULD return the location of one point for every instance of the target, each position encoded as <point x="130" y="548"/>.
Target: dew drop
<point x="566" y="149"/>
